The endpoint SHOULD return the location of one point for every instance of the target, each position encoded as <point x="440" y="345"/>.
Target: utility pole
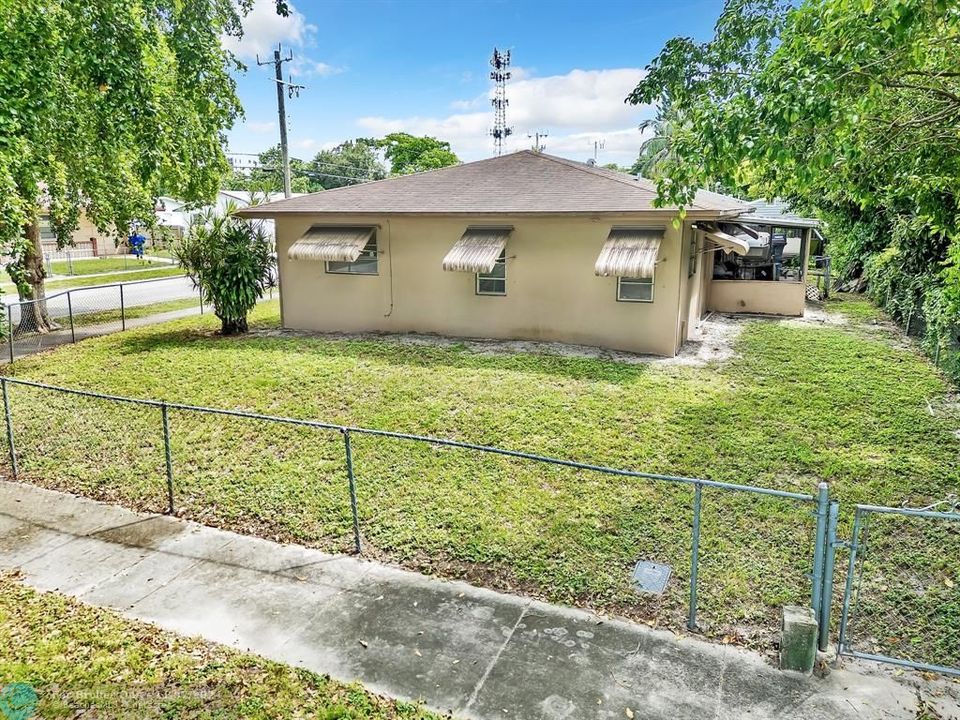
<point x="537" y="147"/>
<point x="292" y="90"/>
<point x="598" y="145"/>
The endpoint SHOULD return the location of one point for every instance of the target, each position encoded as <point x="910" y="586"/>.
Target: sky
<point x="371" y="67"/>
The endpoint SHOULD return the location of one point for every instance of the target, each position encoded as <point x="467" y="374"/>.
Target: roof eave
<point x="261" y="212"/>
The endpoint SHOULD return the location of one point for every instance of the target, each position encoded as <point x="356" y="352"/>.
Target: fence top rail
<point x="80" y="288"/>
<point x="783" y="494"/>
<point x="909" y="512"/>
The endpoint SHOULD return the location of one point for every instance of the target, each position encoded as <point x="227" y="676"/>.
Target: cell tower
<point x="500" y="62"/>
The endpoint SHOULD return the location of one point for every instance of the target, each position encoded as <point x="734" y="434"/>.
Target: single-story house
<point x="176" y="215"/>
<point x="523" y="246"/>
<point x="86" y="240"/>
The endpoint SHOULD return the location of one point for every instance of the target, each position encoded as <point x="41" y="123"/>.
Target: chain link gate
<point x="901" y="602"/>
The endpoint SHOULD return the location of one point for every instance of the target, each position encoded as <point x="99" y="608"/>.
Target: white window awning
<point x="477" y="249"/>
<point x="630" y="253"/>
<point x="336" y="244"/>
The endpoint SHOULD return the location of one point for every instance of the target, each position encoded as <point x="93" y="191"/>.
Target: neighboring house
<point x="525" y="246"/>
<point x="177" y="214"/>
<point x="86" y="239"/>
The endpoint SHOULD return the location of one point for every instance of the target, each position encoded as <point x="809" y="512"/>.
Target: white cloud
<point x="305" y="67"/>
<point x="575" y="109"/>
<point x="306" y="144"/>
<point x="260" y="127"/>
<point x="263" y="29"/>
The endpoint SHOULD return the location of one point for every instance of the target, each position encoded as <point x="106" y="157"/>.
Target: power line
<point x="312" y="162"/>
<point x="316" y="173"/>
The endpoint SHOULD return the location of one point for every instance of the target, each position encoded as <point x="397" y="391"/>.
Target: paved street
<point x="477" y="653"/>
<point x="96" y="311"/>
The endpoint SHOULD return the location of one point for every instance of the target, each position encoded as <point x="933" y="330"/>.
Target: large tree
<point x="847" y="107"/>
<point x="267" y="175"/>
<point x="104" y="106"/>
<point x="349" y="163"/>
<point x="409" y="153"/>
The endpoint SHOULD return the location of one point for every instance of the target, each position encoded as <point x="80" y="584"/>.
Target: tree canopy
<point x="103" y="107"/>
<point x="850" y="108"/>
<point x="409" y="154"/>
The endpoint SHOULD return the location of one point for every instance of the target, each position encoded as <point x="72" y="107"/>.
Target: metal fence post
<point x="826" y="602"/>
<point x="819" y="553"/>
<point x="826" y="277"/>
<point x="695" y="556"/>
<point x="848" y="587"/>
<point x="6" y="412"/>
<point x="73" y="333"/>
<point x="168" y="456"/>
<point x="10" y="329"/>
<point x="353" y="492"/>
<point x="123" y="314"/>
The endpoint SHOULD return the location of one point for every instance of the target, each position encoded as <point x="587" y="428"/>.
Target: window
<point x="495" y="281"/>
<point x="46" y="229"/>
<point x="365" y="264"/>
<point x="635" y="289"/>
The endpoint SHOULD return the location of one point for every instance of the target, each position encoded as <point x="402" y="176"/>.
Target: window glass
<point x="635" y="289"/>
<point x="365" y="264"/>
<point x="46" y="229"/>
<point x="495" y="281"/>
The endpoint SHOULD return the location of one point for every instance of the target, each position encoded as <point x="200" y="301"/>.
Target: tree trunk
<point x="233" y="327"/>
<point x="34" y="317"/>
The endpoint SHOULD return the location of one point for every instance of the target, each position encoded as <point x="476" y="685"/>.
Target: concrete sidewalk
<point x="476" y="653"/>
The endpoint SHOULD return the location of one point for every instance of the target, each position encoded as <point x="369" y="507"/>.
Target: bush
<point x="231" y="262"/>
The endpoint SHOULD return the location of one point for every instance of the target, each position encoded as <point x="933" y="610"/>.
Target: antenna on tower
<point x="500" y="62"/>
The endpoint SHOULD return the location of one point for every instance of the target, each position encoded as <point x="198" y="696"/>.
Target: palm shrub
<point x="231" y="262"/>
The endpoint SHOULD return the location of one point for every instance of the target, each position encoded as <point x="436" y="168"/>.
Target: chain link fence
<point x="74" y="261"/>
<point x="88" y="311"/>
<point x="819" y="279"/>
<point x="731" y="554"/>
<point x="902" y="596"/>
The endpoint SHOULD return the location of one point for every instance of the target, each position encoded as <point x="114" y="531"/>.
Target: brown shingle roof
<point x="522" y="182"/>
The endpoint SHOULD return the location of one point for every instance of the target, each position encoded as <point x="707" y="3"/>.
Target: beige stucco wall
<point x="552" y="291"/>
<point x="85" y="232"/>
<point x="757" y="296"/>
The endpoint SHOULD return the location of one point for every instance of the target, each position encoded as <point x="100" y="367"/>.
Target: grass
<point x="855" y="307"/>
<point x="89" y="266"/>
<point x="53" y="286"/>
<point x="799" y="404"/>
<point x="131" y="313"/>
<point x="83" y="281"/>
<point x="85" y="661"/>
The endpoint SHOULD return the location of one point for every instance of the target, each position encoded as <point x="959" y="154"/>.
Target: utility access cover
<point x="651" y="577"/>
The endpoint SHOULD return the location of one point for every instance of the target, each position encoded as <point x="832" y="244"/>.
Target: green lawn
<point x="156" y="271"/>
<point x="799" y="403"/>
<point x="85" y="661"/>
<point x="89" y="266"/>
<point x="52" y="286"/>
<point x="83" y="319"/>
